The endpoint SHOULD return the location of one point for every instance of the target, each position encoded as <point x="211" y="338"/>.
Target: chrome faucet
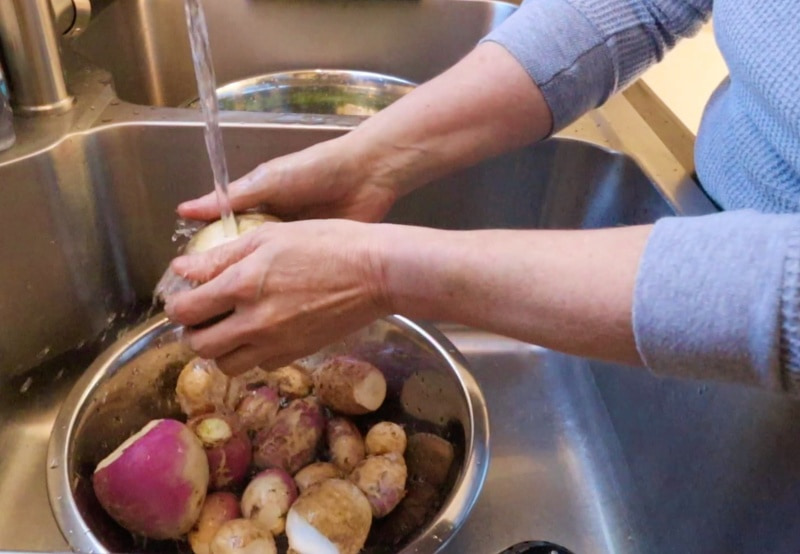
<point x="29" y="40"/>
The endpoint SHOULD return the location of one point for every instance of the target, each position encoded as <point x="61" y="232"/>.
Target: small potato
<point x="385" y="437"/>
<point x="382" y="479"/>
<point x="203" y="388"/>
<point x="258" y="409"/>
<point x="316" y="473"/>
<point x="218" y="508"/>
<point x="345" y="444"/>
<point x="268" y="497"/>
<point x="332" y="517"/>
<point x="242" y="536"/>
<point x="349" y="386"/>
<point x="292" y="441"/>
<point x="429" y="458"/>
<point x="291" y="381"/>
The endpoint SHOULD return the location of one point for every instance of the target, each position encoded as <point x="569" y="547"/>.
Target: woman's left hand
<point x="291" y="288"/>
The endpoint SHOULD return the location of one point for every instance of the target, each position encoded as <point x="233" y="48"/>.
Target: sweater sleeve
<point x="579" y="52"/>
<point x="718" y="297"/>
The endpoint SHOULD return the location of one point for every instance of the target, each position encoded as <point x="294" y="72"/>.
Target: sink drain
<point x="535" y="547"/>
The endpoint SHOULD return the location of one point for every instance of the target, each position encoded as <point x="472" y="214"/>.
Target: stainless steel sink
<point x="598" y="458"/>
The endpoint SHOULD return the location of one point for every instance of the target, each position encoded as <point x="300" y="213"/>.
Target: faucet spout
<point x="30" y="47"/>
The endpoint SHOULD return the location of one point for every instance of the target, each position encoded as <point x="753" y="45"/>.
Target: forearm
<point x="567" y="290"/>
<point x="483" y="106"/>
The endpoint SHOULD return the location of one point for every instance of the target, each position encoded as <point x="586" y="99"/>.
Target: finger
<point x="248" y="357"/>
<point x="204" y="302"/>
<point x="221" y="338"/>
<point x="205" y="266"/>
<point x="248" y="192"/>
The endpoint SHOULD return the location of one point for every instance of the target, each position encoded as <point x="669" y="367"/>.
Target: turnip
<point x="203" y="388"/>
<point x="345" y="444"/>
<point x="291" y="381"/>
<point x="292" y="441"/>
<point x="382" y="479"/>
<point x="316" y="473"/>
<point x="155" y="482"/>
<point x="227" y="448"/>
<point x="429" y="458"/>
<point x="258" y="409"/>
<point x="268" y="497"/>
<point x="218" y="508"/>
<point x="332" y="517"/>
<point x="242" y="536"/>
<point x="385" y="437"/>
<point x="208" y="237"/>
<point x="349" y="386"/>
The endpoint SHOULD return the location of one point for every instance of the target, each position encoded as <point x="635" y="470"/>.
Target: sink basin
<point x="596" y="457"/>
<point x="151" y="63"/>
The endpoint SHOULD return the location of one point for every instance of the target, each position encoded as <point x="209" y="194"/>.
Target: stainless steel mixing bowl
<point x="316" y="91"/>
<point x="429" y="389"/>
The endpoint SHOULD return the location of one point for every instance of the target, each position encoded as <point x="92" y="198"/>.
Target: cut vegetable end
<point x="371" y="392"/>
<point x="304" y="538"/>
<point x="120" y="450"/>
<point x="213" y="430"/>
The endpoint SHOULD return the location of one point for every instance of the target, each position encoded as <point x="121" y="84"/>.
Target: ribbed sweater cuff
<point x="717" y="298"/>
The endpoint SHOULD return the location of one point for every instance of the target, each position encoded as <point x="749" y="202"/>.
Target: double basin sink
<point x="595" y="457"/>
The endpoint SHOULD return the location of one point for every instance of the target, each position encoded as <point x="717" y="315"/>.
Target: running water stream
<point x="207" y="87"/>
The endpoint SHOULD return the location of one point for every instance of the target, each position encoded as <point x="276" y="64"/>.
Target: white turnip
<point x="332" y="517"/>
<point x="242" y="536"/>
<point x="268" y="497"/>
<point x="382" y="479"/>
<point x="385" y="437"/>
<point x="218" y="508"/>
<point x="349" y="386"/>
<point x="258" y="409"/>
<point x="345" y="444"/>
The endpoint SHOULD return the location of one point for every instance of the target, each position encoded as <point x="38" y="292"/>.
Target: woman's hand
<point x="292" y="289"/>
<point x="327" y="180"/>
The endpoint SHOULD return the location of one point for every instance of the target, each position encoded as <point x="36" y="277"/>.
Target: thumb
<point x="204" y="266"/>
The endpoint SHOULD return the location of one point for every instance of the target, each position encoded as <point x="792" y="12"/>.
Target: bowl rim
<point x="439" y="531"/>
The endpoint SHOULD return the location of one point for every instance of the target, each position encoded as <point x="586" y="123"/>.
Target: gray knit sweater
<point x="717" y="297"/>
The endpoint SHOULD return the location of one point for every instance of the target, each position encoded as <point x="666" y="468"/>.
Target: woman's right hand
<point x="326" y="180"/>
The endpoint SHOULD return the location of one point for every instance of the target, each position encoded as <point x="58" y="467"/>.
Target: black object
<point x="535" y="547"/>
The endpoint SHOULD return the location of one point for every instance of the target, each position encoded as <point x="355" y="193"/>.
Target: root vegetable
<point x="291" y="443"/>
<point x="429" y="458"/>
<point x="291" y="381"/>
<point x="316" y="473"/>
<point x="213" y="234"/>
<point x="154" y="483"/>
<point x="382" y="479"/>
<point x="203" y="388"/>
<point x="349" y="386"/>
<point x="258" y="409"/>
<point x="267" y="499"/>
<point x="421" y="502"/>
<point x="332" y="517"/>
<point x="345" y="444"/>
<point x="218" y="508"/>
<point x="242" y="536"/>
<point x="385" y="437"/>
<point x="227" y="447"/>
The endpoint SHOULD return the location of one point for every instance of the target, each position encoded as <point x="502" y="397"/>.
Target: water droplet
<point x="115" y="102"/>
<point x="60" y="374"/>
<point x="106" y="120"/>
<point x="91" y="108"/>
<point x="26" y="385"/>
<point x="43" y="353"/>
<point x="53" y="464"/>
